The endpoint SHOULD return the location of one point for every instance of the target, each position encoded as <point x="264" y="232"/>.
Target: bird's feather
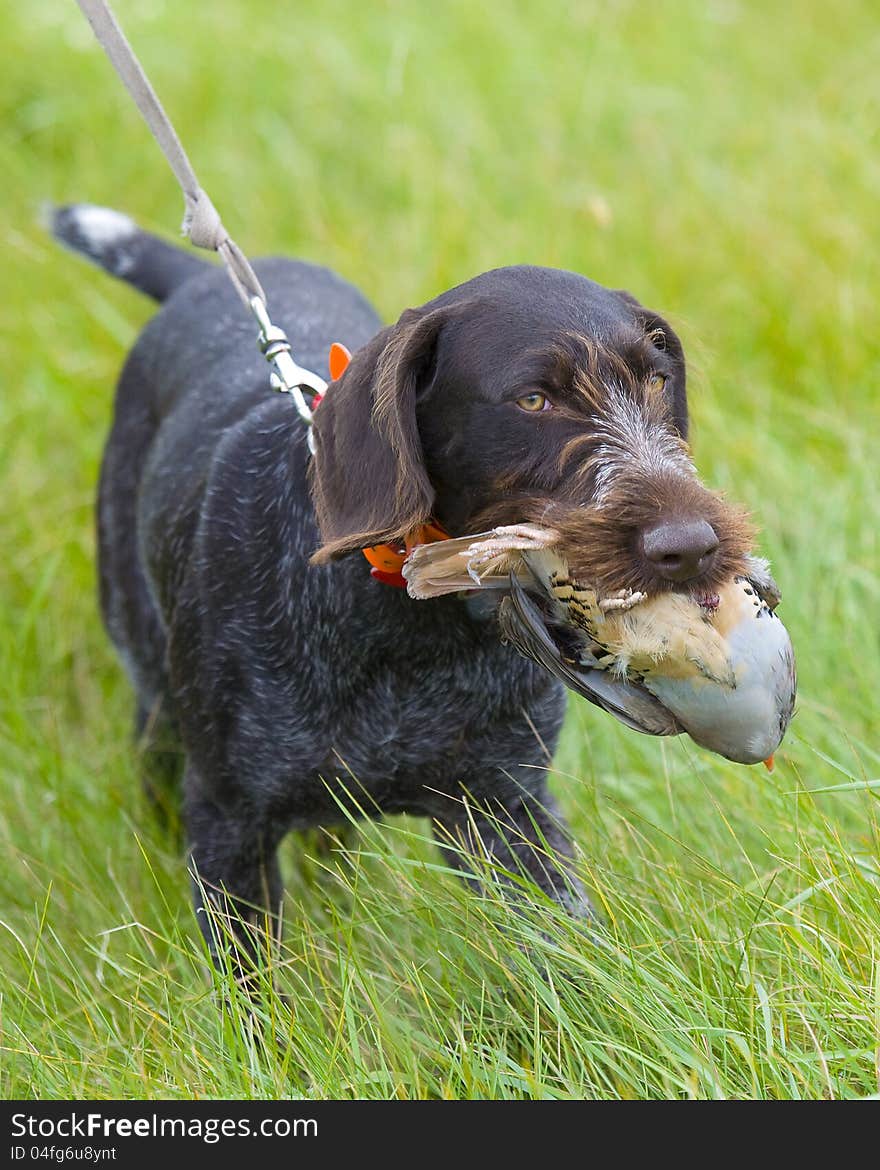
<point x="483" y="560"/>
<point x="525" y="627"/>
<point x="759" y="575"/>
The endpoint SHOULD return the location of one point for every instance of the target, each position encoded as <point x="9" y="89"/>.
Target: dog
<point x="231" y="577"/>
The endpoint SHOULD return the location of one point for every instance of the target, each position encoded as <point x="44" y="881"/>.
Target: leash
<point x="201" y="221"/>
<point x="203" y="228"/>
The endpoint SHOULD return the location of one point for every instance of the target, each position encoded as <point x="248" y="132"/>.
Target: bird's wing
<point x="523" y="625"/>
<point x="483" y="560"/>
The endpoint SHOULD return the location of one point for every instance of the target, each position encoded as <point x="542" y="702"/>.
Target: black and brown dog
<point x="289" y="675"/>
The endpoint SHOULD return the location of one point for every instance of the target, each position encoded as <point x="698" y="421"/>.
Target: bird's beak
<point x="768" y="763"/>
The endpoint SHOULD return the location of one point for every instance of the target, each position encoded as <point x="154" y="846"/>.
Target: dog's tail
<point x="115" y="243"/>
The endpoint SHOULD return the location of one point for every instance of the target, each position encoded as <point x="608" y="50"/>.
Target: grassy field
<point x="718" y="158"/>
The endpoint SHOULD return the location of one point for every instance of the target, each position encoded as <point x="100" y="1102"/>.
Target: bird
<point x="718" y="666"/>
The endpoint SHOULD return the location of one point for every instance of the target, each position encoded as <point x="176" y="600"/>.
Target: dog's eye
<point x="533" y="403"/>
<point x="657" y="381"/>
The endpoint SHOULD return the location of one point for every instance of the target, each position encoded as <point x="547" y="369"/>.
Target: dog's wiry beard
<point x="600" y="541"/>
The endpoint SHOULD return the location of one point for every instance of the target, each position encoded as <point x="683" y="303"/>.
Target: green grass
<point x="719" y="159"/>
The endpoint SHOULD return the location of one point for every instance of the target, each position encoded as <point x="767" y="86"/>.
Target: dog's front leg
<point x="236" y="880"/>
<point x="523" y="836"/>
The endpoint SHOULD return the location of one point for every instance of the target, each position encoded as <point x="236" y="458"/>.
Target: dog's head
<point x="526" y="394"/>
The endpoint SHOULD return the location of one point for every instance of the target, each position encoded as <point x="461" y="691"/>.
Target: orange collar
<point x="386" y="560"/>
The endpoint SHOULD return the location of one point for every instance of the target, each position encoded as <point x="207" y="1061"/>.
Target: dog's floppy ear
<point x="369" y="481"/>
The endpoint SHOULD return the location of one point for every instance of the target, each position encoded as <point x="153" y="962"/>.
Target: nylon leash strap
<point x="201" y="221"/>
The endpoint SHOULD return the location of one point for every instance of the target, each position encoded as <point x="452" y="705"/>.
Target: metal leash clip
<point x="288" y="377"/>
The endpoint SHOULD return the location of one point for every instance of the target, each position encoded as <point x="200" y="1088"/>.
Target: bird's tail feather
<point x="483" y="560"/>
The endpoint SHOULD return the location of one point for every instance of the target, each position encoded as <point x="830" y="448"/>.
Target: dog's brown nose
<point x="679" y="550"/>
